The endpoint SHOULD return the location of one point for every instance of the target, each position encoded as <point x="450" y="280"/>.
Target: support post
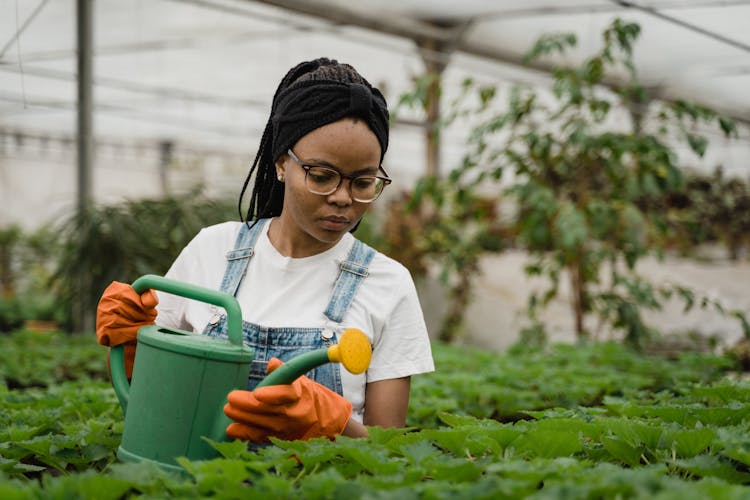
<point x="166" y="155"/>
<point x="85" y="119"/>
<point x="83" y="318"/>
<point x="430" y="50"/>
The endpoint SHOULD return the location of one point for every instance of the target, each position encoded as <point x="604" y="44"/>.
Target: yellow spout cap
<point x="353" y="351"/>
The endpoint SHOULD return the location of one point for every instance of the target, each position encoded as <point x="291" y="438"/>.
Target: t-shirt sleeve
<point x="403" y="349"/>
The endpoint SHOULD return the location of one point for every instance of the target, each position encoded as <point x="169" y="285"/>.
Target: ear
<point x="281" y="167"/>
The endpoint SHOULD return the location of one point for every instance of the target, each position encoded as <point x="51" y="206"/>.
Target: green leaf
<point x="456" y="471"/>
<point x="218" y="475"/>
<point x="622" y="450"/>
<point x="697" y="143"/>
<point x="690" y="442"/>
<point x="13" y="466"/>
<point x="713" y="466"/>
<point x="453" y="440"/>
<point x="727" y="126"/>
<point x="382" y="435"/>
<point x="550" y="43"/>
<point x="17" y="490"/>
<point x="472" y="441"/>
<point x="548" y="443"/>
<point x="419" y="452"/>
<point x="571" y="227"/>
<point x="464" y="420"/>
<point x="739" y="452"/>
<point x="229" y="449"/>
<point x="85" y="486"/>
<point x="372" y="460"/>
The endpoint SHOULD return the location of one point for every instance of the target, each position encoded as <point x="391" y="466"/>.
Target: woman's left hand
<point x="301" y="410"/>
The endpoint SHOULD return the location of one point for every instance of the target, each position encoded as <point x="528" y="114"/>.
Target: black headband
<point x="310" y="104"/>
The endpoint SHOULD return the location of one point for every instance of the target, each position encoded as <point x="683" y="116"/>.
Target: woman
<point x="299" y="275"/>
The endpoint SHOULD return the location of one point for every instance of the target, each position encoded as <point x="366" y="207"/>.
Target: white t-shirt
<point x="280" y="291"/>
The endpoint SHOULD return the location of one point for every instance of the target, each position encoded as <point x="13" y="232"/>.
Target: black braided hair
<point x="310" y="95"/>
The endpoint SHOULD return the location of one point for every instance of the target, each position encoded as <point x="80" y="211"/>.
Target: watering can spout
<point x="353" y="351"/>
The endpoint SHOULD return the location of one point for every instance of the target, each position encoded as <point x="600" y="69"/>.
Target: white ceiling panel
<point x="202" y="72"/>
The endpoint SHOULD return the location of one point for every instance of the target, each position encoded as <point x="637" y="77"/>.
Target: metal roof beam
<point x="559" y="10"/>
<point x="451" y="37"/>
<point x="398" y="25"/>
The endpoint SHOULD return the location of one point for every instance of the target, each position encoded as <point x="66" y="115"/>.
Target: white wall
<point x="38" y="175"/>
<point x="496" y="313"/>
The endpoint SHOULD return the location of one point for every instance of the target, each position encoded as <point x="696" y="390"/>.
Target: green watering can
<point x="180" y="380"/>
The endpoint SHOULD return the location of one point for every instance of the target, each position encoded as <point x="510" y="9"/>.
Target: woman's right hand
<point x="121" y="312"/>
<point x="119" y="316"/>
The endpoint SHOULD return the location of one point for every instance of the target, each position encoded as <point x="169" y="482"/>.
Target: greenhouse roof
<point x="202" y="72"/>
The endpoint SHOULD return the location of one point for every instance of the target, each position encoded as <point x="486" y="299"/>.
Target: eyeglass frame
<point x="306" y="167"/>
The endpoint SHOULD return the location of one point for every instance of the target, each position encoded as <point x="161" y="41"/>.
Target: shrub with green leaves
<point x="124" y="241"/>
<point x="27" y="261"/>
<point x="711" y="208"/>
<point x="29" y="359"/>
<point x="587" y="164"/>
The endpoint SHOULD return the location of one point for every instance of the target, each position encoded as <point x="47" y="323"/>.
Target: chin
<point x="330" y="236"/>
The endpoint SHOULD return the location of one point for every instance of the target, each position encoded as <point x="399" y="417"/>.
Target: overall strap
<point x="351" y="273"/>
<point x="239" y="258"/>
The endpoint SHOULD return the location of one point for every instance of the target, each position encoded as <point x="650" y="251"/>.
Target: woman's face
<point x="311" y="222"/>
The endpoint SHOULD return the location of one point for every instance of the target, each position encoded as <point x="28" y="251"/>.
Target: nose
<point x="342" y="196"/>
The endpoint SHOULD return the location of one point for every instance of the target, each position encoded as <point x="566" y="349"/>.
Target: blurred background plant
<point x="710" y="209"/>
<point x="583" y="176"/>
<point x="594" y="190"/>
<point x="59" y="272"/>
<point x="26" y="263"/>
<point x="439" y="226"/>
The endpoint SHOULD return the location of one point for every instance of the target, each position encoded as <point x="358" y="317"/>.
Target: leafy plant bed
<point x="594" y="421"/>
<point x="42" y="359"/>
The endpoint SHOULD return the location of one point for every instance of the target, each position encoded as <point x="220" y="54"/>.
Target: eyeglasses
<point x="326" y="180"/>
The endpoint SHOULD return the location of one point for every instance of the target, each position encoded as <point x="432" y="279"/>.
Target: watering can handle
<point x="152" y="281"/>
<point x="190" y="291"/>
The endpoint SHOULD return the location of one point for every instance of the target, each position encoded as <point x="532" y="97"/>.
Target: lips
<point x="336" y="218"/>
<point x="335" y="223"/>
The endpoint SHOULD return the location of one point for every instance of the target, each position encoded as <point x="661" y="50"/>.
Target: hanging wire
<point x="16" y="39"/>
<point x="20" y="28"/>
<point x="684" y="24"/>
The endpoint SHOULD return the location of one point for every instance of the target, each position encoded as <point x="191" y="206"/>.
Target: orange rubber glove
<point x="121" y="312"/>
<point x="301" y="410"/>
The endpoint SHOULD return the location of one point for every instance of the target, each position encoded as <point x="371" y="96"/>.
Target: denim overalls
<point x="285" y="343"/>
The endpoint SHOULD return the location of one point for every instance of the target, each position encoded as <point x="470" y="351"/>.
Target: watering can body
<point x="179" y="384"/>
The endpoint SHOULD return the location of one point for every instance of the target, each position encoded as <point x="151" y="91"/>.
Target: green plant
<point x="30" y="359"/>
<point x="10" y="240"/>
<point x="587" y="184"/>
<point x="599" y="421"/>
<point x="122" y="242"/>
<point x="440" y="223"/>
<point x="27" y="262"/>
<point x="43" y="306"/>
<point x="711" y="208"/>
<point x="435" y="225"/>
<point x="11" y="316"/>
